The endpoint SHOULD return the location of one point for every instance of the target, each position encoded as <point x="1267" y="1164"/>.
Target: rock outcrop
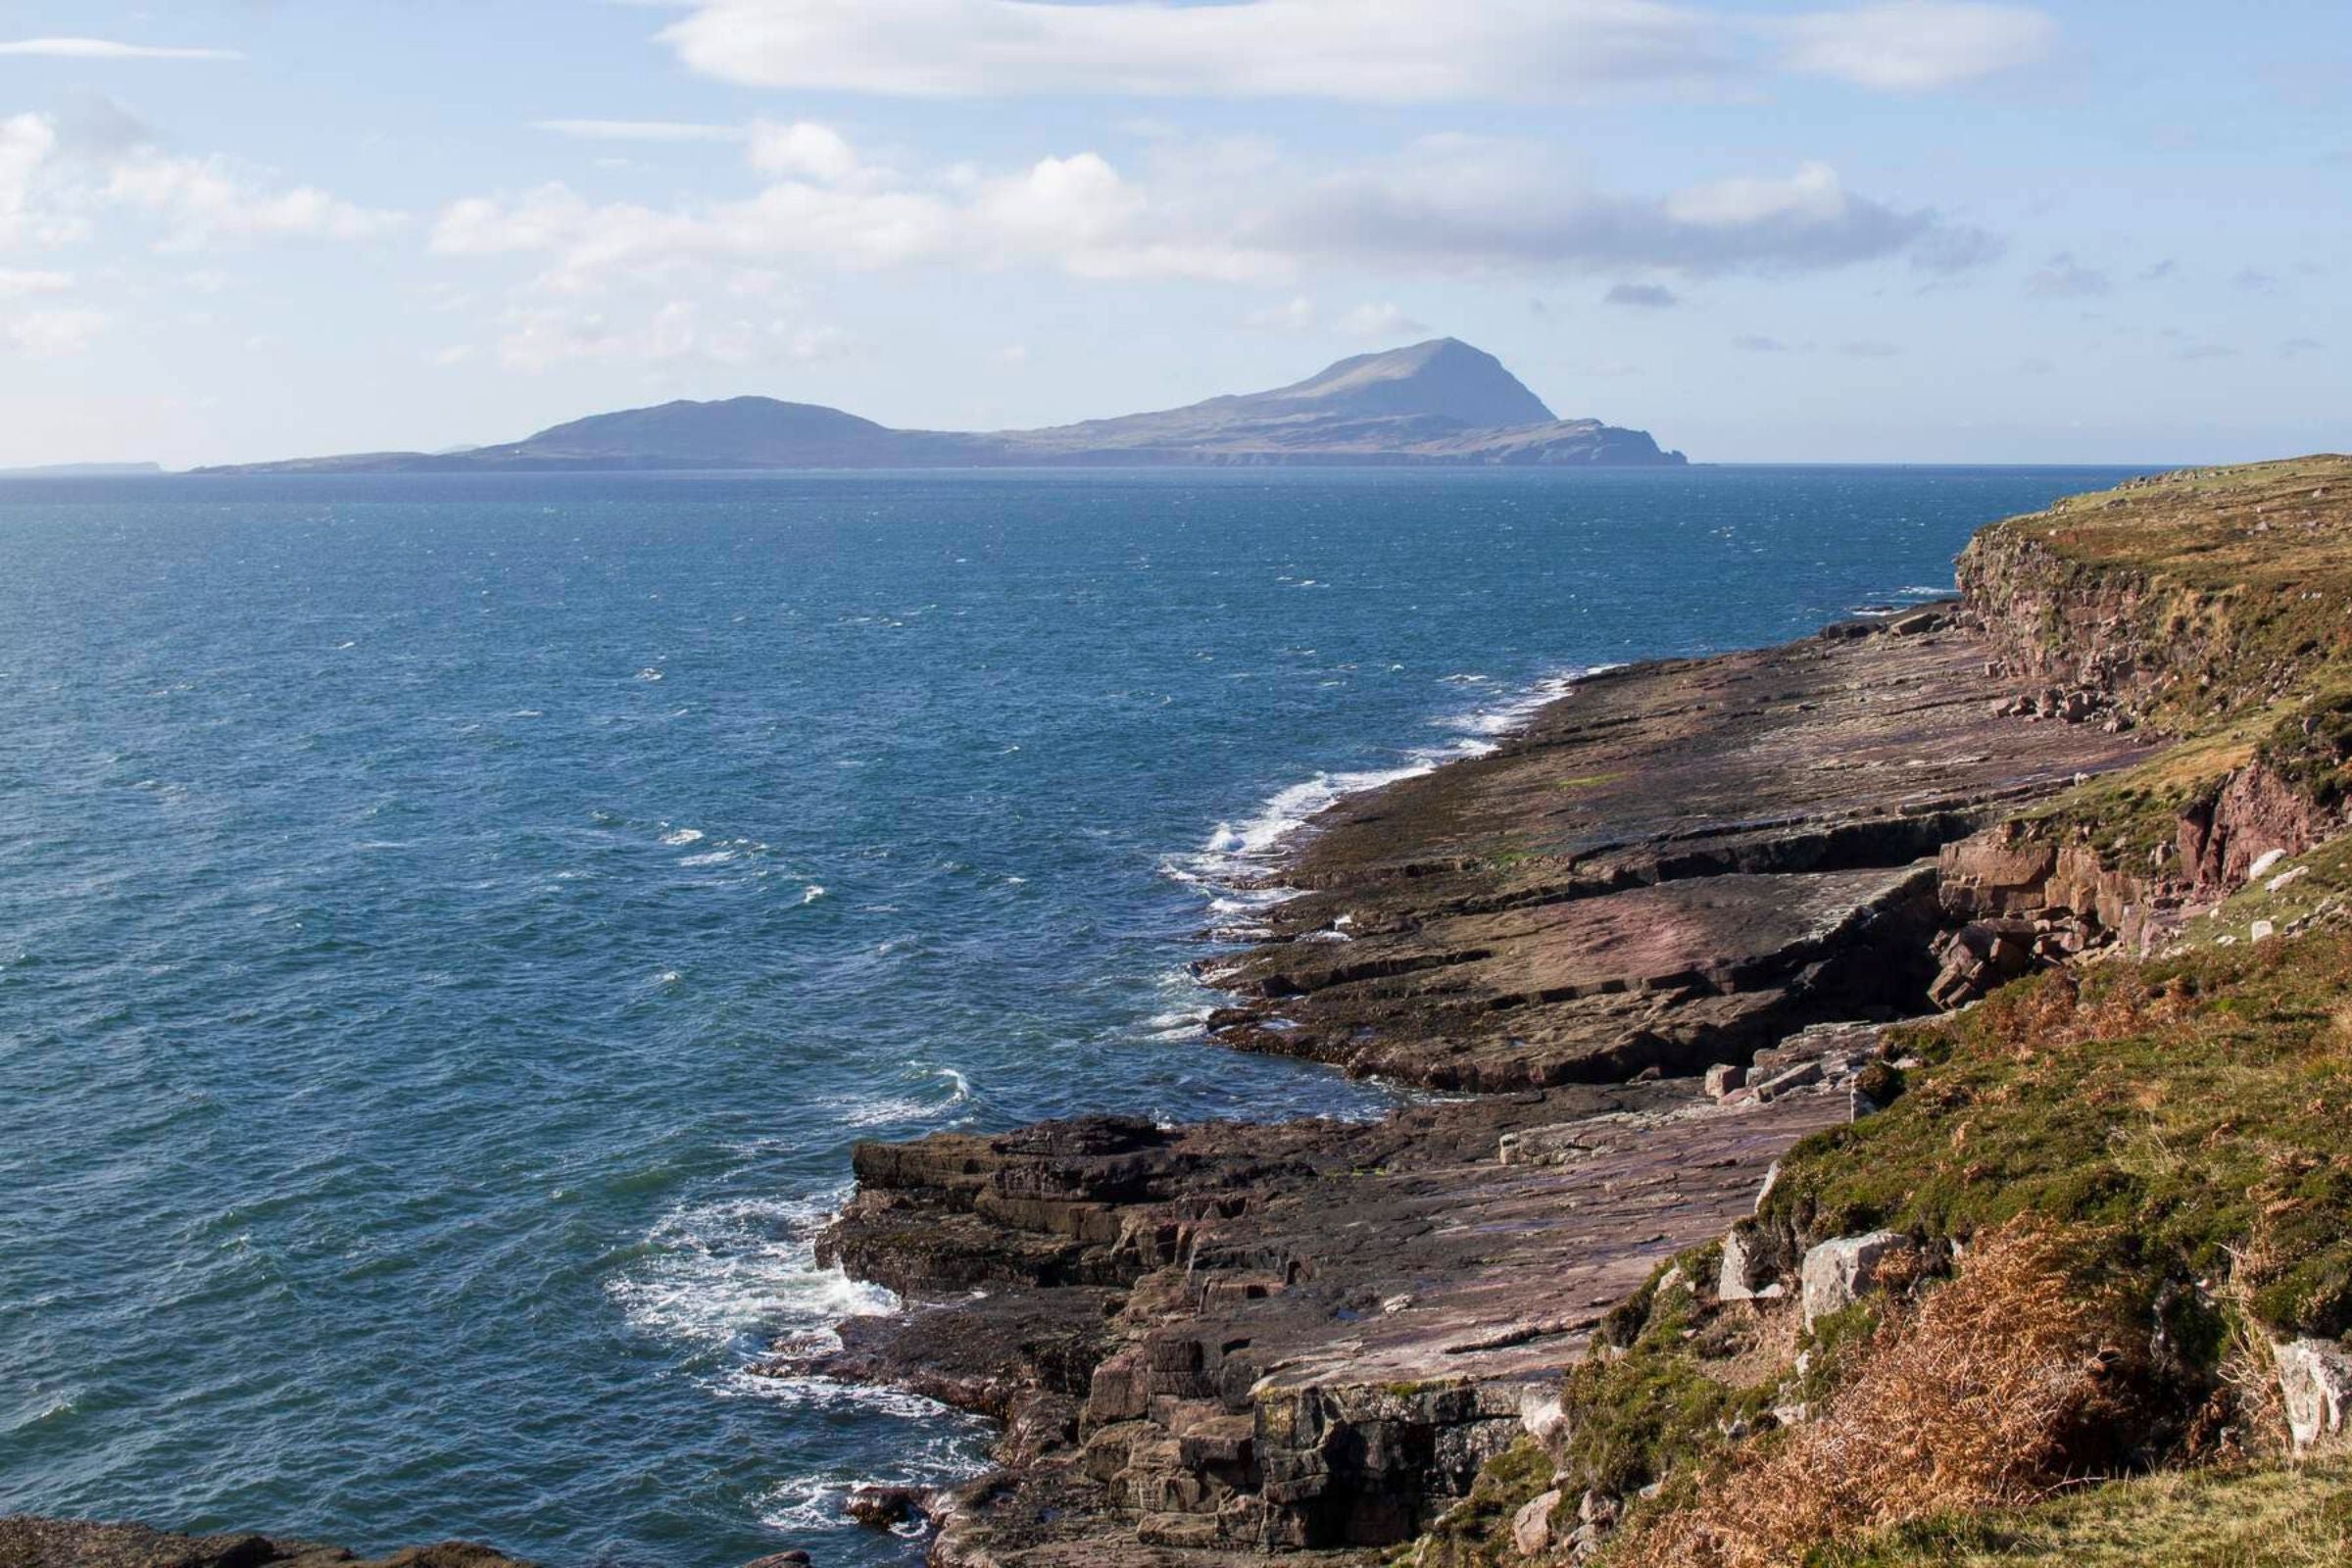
<point x="1244" y="1338"/>
<point x="27" y="1541"/>
<point x="1221" y="1341"/>
<point x="1674" y="867"/>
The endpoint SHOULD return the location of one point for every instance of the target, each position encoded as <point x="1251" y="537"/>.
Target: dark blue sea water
<point x="452" y="930"/>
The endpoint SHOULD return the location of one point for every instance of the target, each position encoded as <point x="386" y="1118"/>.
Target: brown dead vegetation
<point x="1996" y="1389"/>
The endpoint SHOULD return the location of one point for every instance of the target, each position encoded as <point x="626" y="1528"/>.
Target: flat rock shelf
<point x="1209" y="1342"/>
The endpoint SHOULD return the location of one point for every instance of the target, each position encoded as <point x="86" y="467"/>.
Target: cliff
<point x="1898" y="1084"/>
<point x="1541" y="1323"/>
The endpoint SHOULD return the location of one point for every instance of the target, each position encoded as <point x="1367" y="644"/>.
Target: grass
<point x="2196" y="1106"/>
<point x="2234" y="587"/>
<point x="1989" y="1390"/>
<point x="2219" y="1518"/>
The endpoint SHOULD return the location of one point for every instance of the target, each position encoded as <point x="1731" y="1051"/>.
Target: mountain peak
<point x="1444" y="377"/>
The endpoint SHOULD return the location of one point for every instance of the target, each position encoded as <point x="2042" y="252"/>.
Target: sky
<point x="1910" y="230"/>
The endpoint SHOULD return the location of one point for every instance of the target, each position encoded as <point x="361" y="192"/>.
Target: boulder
<point x="1835" y="1274"/>
<point x="1725" y="1077"/>
<point x="1531" y="1525"/>
<point x="883" y="1507"/>
<point x="1743" y="1275"/>
<point x="2315" y="1379"/>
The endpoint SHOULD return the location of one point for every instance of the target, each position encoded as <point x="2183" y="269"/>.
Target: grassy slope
<point x="2190" y="1111"/>
<point x="2235" y="1518"/>
<point x="2240" y="582"/>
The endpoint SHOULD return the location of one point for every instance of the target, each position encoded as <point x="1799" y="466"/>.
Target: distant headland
<point x="1439" y="402"/>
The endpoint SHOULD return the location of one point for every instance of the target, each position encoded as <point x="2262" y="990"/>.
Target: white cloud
<point x="1298" y="314"/>
<point x="205" y="203"/>
<point x="1374" y="51"/>
<point x="52" y="332"/>
<point x="14" y="283"/>
<point x="27" y="142"/>
<point x="1469" y="205"/>
<point x="52" y="188"/>
<point x="803" y="151"/>
<point x="1379" y="321"/>
<point x="1386" y="51"/>
<point x="107" y="49"/>
<point x="1233" y="212"/>
<point x="1917" y="45"/>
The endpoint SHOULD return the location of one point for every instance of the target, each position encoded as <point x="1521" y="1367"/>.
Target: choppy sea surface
<point x="452" y="930"/>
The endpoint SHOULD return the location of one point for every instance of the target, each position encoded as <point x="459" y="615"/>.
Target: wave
<point x="741" y="1272"/>
<point x="1233" y="861"/>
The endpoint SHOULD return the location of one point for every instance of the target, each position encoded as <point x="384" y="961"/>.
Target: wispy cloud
<point x="109" y="49"/>
<point x="2066" y="278"/>
<point x="1918" y="45"/>
<point x="641" y="130"/>
<point x="52" y="334"/>
<point x="1411" y="51"/>
<point x="55" y="188"/>
<point x="1643" y="296"/>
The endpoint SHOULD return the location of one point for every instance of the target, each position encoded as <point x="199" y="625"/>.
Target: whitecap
<point x="811" y="893"/>
<point x="708" y="857"/>
<point x="678" y="837"/>
<point x="714" y="1272"/>
<point x="648" y="674"/>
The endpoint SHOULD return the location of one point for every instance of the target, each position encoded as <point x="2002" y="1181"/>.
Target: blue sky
<point x="1886" y="231"/>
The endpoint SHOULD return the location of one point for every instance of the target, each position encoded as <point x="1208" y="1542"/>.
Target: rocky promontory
<point x="1657" y="937"/>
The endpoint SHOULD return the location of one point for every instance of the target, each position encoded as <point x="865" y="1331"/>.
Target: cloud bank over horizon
<point x="1716" y="218"/>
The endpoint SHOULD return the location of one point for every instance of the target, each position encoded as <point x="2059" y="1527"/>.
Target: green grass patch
<point x="2195" y="1107"/>
<point x="2299" y="1518"/>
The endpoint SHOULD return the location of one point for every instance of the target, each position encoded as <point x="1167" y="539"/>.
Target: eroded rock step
<point x="1676" y="864"/>
<point x="1242" y="1338"/>
<point x="1212" y="1342"/>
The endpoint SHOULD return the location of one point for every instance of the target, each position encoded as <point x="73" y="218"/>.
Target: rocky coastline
<point x="1777" y="1011"/>
<point x="1683" y="878"/>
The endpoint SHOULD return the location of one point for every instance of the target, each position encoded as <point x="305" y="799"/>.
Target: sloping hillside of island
<point x="1441" y="401"/>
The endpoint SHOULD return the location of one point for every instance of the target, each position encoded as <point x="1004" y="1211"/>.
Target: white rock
<point x="1836" y="1273"/>
<point x="1531" y="1525"/>
<point x="1734" y="1281"/>
<point x="2263" y="863"/>
<point x="2285" y="879"/>
<point x="2314" y="1378"/>
<point x="2263" y="930"/>
<point x="1540" y="1414"/>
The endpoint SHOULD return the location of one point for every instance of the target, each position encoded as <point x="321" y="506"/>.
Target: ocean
<point x="453" y="929"/>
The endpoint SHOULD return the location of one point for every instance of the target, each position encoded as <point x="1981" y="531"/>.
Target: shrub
<point x="2010" y="1380"/>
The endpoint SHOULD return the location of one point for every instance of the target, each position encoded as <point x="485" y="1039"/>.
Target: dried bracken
<point x="1998" y="1387"/>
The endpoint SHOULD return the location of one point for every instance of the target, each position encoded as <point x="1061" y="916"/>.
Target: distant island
<point x="1439" y="402"/>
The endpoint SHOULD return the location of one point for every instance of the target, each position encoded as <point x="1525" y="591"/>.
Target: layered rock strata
<point x="1677" y="865"/>
<point x="1216" y="1342"/>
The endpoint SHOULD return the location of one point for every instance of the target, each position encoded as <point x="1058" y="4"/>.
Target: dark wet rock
<point x="1214" y="1341"/>
<point x="27" y="1541"/>
<point x="883" y="1508"/>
